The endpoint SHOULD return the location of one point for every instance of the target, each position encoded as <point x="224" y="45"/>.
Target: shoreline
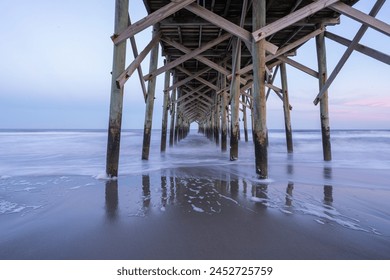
<point x="184" y="213"/>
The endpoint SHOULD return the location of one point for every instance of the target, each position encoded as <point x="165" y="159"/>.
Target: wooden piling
<point x="211" y="124"/>
<point x="216" y="118"/>
<point x="259" y="95"/>
<point x="235" y="100"/>
<point x="286" y="108"/>
<point x="177" y="118"/>
<point x="150" y="100"/>
<point x="164" y="121"/>
<point x="324" y="110"/>
<point x="173" y="114"/>
<point x="179" y="127"/>
<point x="244" y="117"/>
<point x="224" y="125"/>
<point x="116" y="101"/>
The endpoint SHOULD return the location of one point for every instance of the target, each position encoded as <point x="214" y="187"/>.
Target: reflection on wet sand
<point x="164" y="193"/>
<point x="146" y="197"/>
<point x="111" y="199"/>
<point x="259" y="194"/>
<point x="289" y="193"/>
<point x="193" y="192"/>
<point x="188" y="191"/>
<point x="171" y="190"/>
<point x="328" y="189"/>
<point x="234" y="187"/>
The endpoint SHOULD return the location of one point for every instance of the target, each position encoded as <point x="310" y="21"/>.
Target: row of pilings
<point x="217" y="114"/>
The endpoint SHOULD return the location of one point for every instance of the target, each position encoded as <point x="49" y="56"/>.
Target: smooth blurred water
<point x="37" y="167"/>
<point x="82" y="152"/>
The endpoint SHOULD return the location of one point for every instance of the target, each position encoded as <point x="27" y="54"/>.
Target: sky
<point x="56" y="59"/>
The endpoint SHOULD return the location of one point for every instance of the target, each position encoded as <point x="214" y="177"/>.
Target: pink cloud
<point x="383" y="102"/>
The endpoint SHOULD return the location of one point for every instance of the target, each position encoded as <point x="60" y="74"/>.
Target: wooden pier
<point x="221" y="58"/>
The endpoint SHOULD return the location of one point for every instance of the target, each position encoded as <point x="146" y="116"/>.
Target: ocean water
<point x="82" y="152"/>
<point x="352" y="191"/>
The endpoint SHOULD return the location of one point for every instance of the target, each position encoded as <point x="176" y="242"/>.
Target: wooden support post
<point x="164" y="121"/>
<point x="224" y="115"/>
<point x="173" y="114"/>
<point x="286" y="108"/>
<point x="235" y="101"/>
<point x="150" y="101"/>
<point x="259" y="95"/>
<point x="211" y="124"/>
<point x="216" y="118"/>
<point x="324" y="111"/>
<point x="116" y="102"/>
<point x="177" y="117"/>
<point x="244" y="116"/>
<point x="179" y="127"/>
<point x="181" y="130"/>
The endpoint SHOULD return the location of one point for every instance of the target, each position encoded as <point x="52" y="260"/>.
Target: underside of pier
<point x="221" y="58"/>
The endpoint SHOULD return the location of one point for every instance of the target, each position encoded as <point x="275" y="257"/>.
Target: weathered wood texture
<point x="260" y="133"/>
<point x="324" y="106"/>
<point x="235" y="101"/>
<point x="116" y="102"/>
<point x="286" y="108"/>
<point x="150" y="102"/>
<point x="164" y="118"/>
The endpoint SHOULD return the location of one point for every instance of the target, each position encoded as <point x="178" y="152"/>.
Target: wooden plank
<point x="150" y="20"/>
<point x="186" y="80"/>
<point x="385" y="58"/>
<point x="226" y="25"/>
<point x="286" y="49"/>
<point x="202" y="59"/>
<point x="193" y="98"/>
<point x="286" y="108"/>
<point x="190" y="97"/>
<point x="299" y="66"/>
<point x="246" y="106"/>
<point x="291" y="19"/>
<point x="271" y="81"/>
<point x="274" y="88"/>
<point x="121" y="80"/>
<point x="296" y="43"/>
<point x="185" y="71"/>
<point x="355" y="14"/>
<point x="250" y="84"/>
<point x="246" y="87"/>
<point x="139" y="68"/>
<point x="188" y="56"/>
<point x="197" y="92"/>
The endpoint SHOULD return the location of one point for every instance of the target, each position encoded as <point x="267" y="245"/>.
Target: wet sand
<point x="191" y="213"/>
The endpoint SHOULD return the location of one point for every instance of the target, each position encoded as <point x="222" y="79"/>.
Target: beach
<point x="192" y="203"/>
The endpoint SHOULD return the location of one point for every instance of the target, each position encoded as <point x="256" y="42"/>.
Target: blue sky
<point x="56" y="58"/>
